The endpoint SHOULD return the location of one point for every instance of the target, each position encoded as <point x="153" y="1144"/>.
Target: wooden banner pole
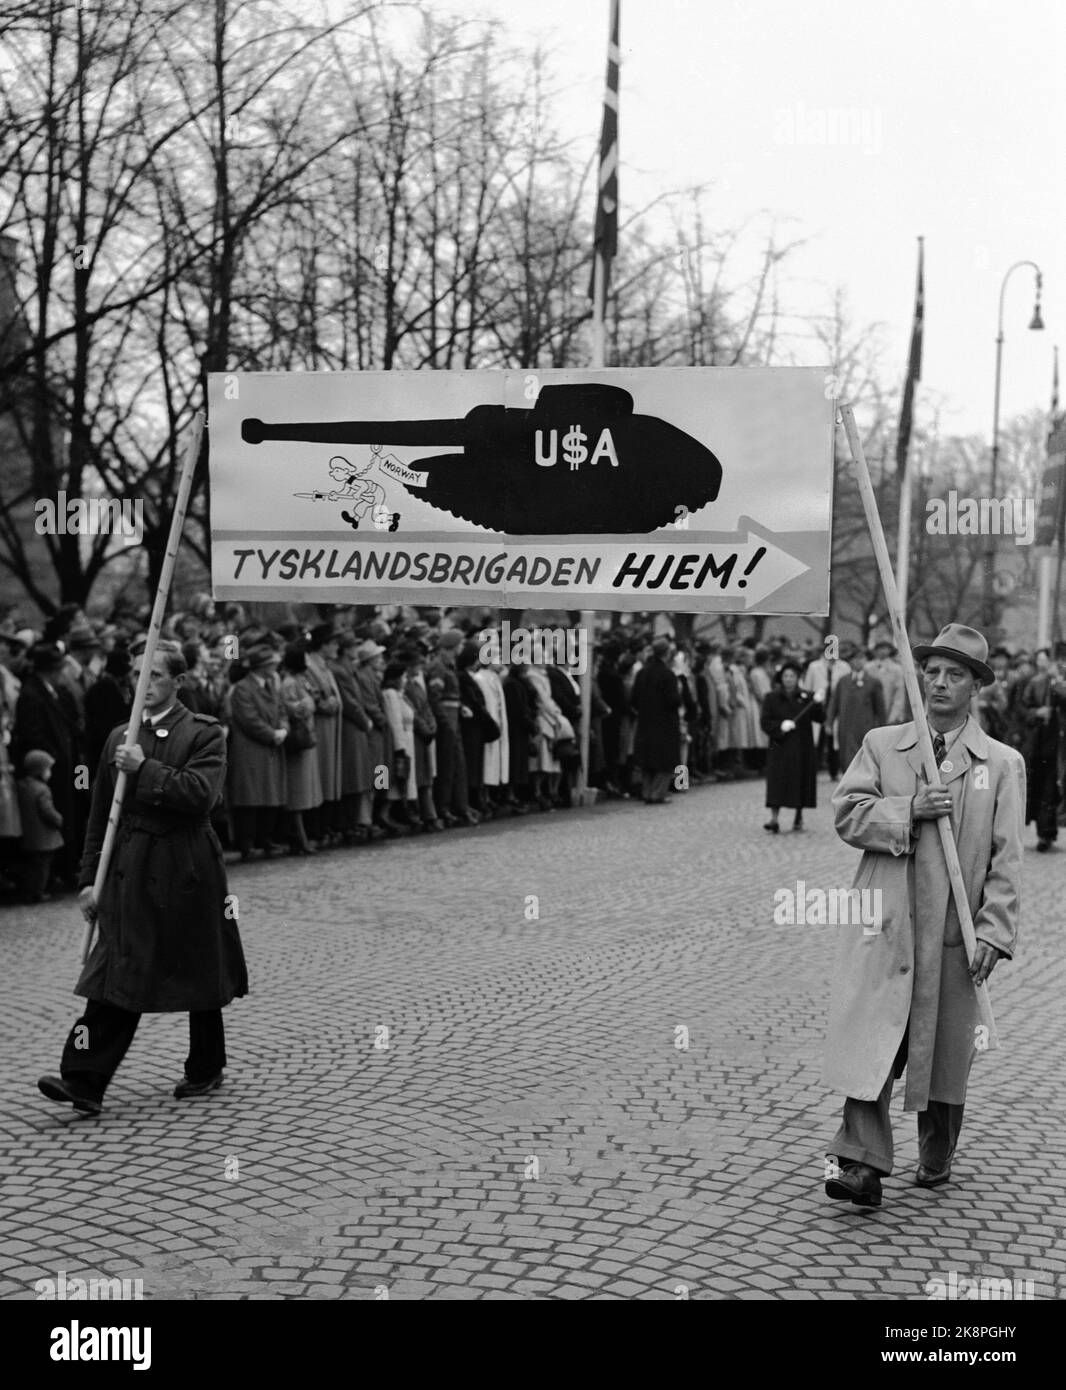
<point x="177" y="524"/>
<point x="914" y="694"/>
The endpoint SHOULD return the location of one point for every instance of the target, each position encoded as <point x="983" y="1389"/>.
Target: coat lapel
<point x="971" y="743"/>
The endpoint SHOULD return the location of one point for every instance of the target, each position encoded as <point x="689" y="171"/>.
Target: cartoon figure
<point x="367" y="496"/>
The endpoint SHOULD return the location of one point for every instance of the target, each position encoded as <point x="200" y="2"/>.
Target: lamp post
<point x="1036" y="323"/>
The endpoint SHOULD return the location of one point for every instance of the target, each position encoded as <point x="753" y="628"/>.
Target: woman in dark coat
<point x="657" y="700"/>
<point x="613" y="693"/>
<point x="791" y="759"/>
<point x="521" y="725"/>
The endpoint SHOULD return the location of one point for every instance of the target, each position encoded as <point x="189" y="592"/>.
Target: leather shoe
<point x="931" y="1177"/>
<point x="184" y="1089"/>
<point x="55" y="1088"/>
<point x="858" y="1183"/>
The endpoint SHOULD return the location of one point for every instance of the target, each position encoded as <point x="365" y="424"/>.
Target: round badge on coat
<point x="161" y="733"/>
<point x="947" y="765"/>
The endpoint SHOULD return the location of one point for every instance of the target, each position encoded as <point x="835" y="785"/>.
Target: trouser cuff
<point x="854" y="1153"/>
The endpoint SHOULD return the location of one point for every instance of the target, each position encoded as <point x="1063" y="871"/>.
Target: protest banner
<point x="696" y="489"/>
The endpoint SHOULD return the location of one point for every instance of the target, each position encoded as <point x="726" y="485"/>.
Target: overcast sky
<point x="960" y="119"/>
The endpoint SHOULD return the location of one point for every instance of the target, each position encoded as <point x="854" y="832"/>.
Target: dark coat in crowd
<point x="166" y="941"/>
<point x="107" y="702"/>
<point x="474" y="729"/>
<point x="425" y="732"/>
<point x="257" y="764"/>
<point x="379" y="740"/>
<point x="656" y="699"/>
<point x="566" y="696"/>
<point x="792" y="758"/>
<point x="858" y="705"/>
<point x="42" y="825"/>
<point x="1041" y="747"/>
<point x="613" y="693"/>
<point x="521" y="705"/>
<point x="46" y="717"/>
<point x="195" y="694"/>
<point x="357" y="770"/>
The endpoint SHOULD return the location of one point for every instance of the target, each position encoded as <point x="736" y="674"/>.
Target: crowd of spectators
<point x="346" y="732"/>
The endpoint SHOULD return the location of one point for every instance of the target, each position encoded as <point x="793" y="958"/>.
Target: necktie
<point x="939" y="749"/>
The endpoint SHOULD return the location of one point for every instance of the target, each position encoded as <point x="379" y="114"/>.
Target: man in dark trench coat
<point x="167" y="938"/>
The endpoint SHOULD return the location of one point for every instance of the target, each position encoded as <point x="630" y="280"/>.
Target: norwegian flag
<point x="914" y="368"/>
<point x="605" y="242"/>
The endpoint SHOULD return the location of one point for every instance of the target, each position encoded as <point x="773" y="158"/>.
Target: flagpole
<point x="903" y="540"/>
<point x="166" y="574"/>
<point x="605" y="237"/>
<point x="910" y="391"/>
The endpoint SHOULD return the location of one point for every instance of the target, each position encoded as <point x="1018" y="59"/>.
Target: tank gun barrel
<point x="399" y="432"/>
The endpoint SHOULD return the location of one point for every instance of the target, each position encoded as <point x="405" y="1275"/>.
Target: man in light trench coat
<point x="903" y="996"/>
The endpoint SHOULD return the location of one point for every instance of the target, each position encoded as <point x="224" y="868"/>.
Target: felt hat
<point x="259" y="656"/>
<point x="962" y="644"/>
<point x="48" y="656"/>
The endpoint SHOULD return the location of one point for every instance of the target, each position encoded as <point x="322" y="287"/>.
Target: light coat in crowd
<point x="301" y="764"/>
<point x="497" y="755"/>
<point x="327" y="724"/>
<point x="401" y="716"/>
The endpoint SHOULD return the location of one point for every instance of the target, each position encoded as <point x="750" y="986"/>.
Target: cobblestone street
<point x="435" y="1092"/>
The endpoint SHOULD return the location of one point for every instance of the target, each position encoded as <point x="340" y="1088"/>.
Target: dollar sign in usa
<point x="574" y="450"/>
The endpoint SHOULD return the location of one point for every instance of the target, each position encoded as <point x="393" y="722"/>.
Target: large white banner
<point x="704" y="489"/>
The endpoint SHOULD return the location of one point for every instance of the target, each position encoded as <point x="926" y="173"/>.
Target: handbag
<point x="490" y="730"/>
<point x="564" y="744"/>
<point x="299" y="738"/>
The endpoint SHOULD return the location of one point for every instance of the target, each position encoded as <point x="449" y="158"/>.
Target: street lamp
<point x="1036" y="323"/>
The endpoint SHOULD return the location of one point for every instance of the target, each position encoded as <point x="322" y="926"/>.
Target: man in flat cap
<point x="903" y="993"/>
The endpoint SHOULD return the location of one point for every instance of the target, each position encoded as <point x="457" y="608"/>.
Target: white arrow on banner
<point x="742" y="566"/>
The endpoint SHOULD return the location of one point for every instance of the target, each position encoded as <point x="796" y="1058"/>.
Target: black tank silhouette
<point x="543" y="471"/>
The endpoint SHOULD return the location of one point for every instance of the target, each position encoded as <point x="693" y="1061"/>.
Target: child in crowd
<point x="42" y="824"/>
